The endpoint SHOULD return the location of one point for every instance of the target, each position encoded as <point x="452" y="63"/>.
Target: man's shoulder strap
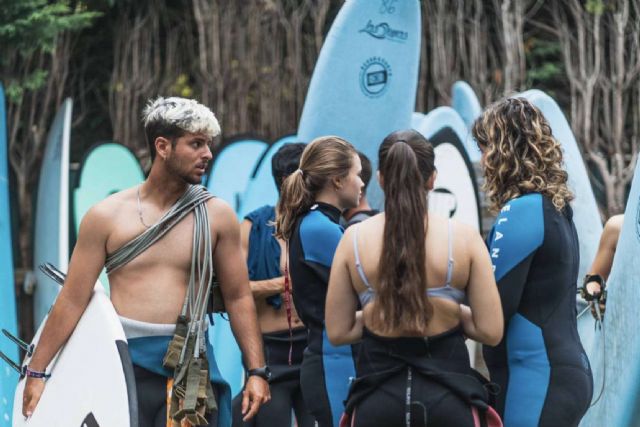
<point x="194" y="196"/>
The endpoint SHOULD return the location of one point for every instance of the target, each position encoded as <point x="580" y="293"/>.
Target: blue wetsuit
<point x="540" y="364"/>
<point x="326" y="370"/>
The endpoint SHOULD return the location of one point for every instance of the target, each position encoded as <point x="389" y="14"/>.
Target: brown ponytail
<point x="324" y="158"/>
<point x="406" y="162"/>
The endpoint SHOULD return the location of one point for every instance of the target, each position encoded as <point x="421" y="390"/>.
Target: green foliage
<point x="595" y="7"/>
<point x="28" y="27"/>
<point x="545" y="66"/>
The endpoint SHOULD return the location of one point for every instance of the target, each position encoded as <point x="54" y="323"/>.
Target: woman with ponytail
<point x="412" y="272"/>
<point x="307" y="219"/>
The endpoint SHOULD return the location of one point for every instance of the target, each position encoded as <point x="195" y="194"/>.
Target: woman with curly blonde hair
<point x="540" y="364"/>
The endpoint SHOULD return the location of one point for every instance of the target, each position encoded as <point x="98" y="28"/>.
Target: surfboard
<point x="92" y="382"/>
<point x="8" y="315"/>
<point x="465" y="102"/>
<point x="233" y="167"/>
<point x="51" y="241"/>
<point x="586" y="216"/>
<point x="615" y="355"/>
<point x="365" y="80"/>
<point x="106" y="169"/>
<point x="455" y="192"/>
<point x="261" y="189"/>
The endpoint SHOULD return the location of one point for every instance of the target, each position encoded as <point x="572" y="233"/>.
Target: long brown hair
<point x="323" y="159"/>
<point x="521" y="155"/>
<point x="406" y="163"/>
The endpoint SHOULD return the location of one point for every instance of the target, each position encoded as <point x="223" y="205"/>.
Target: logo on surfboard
<point x="384" y="31"/>
<point x="90" y="421"/>
<point x="374" y="76"/>
<point x="388" y="7"/>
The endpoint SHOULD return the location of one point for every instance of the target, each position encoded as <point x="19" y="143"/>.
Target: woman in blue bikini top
<point x="410" y="285"/>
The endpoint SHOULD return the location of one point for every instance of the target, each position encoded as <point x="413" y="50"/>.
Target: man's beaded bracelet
<point x="35" y="374"/>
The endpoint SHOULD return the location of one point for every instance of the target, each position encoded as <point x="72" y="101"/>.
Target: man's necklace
<point x="140" y="209"/>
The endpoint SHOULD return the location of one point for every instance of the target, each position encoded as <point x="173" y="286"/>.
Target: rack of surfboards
<point x="363" y="87"/>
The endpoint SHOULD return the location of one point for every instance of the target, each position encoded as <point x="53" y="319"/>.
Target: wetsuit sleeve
<point x="516" y="235"/>
<point x="320" y="240"/>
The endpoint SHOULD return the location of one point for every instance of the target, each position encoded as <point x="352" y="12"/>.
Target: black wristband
<point x="264" y="373"/>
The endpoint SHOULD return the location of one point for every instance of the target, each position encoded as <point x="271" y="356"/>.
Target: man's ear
<point x="163" y="147"/>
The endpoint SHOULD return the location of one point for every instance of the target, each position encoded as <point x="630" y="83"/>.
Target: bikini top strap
<point x="450" y="252"/>
<point x="357" y="256"/>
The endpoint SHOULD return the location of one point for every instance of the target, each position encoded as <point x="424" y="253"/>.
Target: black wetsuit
<point x="415" y="381"/>
<point x="326" y="369"/>
<point x="540" y="364"/>
<point x="263" y="262"/>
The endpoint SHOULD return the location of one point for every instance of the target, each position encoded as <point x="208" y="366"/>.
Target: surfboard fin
<point x="53" y="272"/>
<point x="23" y="345"/>
<point x="11" y="363"/>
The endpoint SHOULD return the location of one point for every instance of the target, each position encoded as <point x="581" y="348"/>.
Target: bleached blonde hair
<point x="172" y="117"/>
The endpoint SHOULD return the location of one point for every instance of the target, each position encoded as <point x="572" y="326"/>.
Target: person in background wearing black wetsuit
<point x="263" y="252"/>
<point x="540" y="364"/>
<point x="363" y="210"/>
<point x="411" y="271"/>
<point x="308" y="213"/>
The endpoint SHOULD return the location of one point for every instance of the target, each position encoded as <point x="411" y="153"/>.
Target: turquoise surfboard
<point x="261" y="189"/>
<point x="615" y="357"/>
<point x="232" y="168"/>
<point x="51" y="242"/>
<point x="8" y="315"/>
<point x="365" y="80"/>
<point x="586" y="216"/>
<point x="106" y="169"/>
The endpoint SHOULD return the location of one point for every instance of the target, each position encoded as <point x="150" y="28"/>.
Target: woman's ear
<point x="432" y="180"/>
<point x="379" y="178"/>
<point x="337" y="183"/>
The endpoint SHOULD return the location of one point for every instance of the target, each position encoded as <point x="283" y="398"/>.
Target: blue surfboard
<point x="8" y="315"/>
<point x="106" y="169"/>
<point x="232" y="168"/>
<point x="261" y="189"/>
<point x="448" y="117"/>
<point x="465" y="102"/>
<point x="586" y="216"/>
<point x="615" y="357"/>
<point x="365" y="80"/>
<point x="51" y="243"/>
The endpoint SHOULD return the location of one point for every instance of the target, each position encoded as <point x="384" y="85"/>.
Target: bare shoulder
<point x="102" y="215"/>
<point x="221" y="214"/>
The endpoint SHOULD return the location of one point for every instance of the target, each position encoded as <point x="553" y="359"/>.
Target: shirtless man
<point x="149" y="291"/>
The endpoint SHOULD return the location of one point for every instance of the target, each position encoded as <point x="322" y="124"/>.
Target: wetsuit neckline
<point x="329" y="210"/>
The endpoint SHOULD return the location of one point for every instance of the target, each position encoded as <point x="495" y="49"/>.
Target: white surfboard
<point x="51" y="241"/>
<point x="92" y="382"/>
<point x="455" y="192"/>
